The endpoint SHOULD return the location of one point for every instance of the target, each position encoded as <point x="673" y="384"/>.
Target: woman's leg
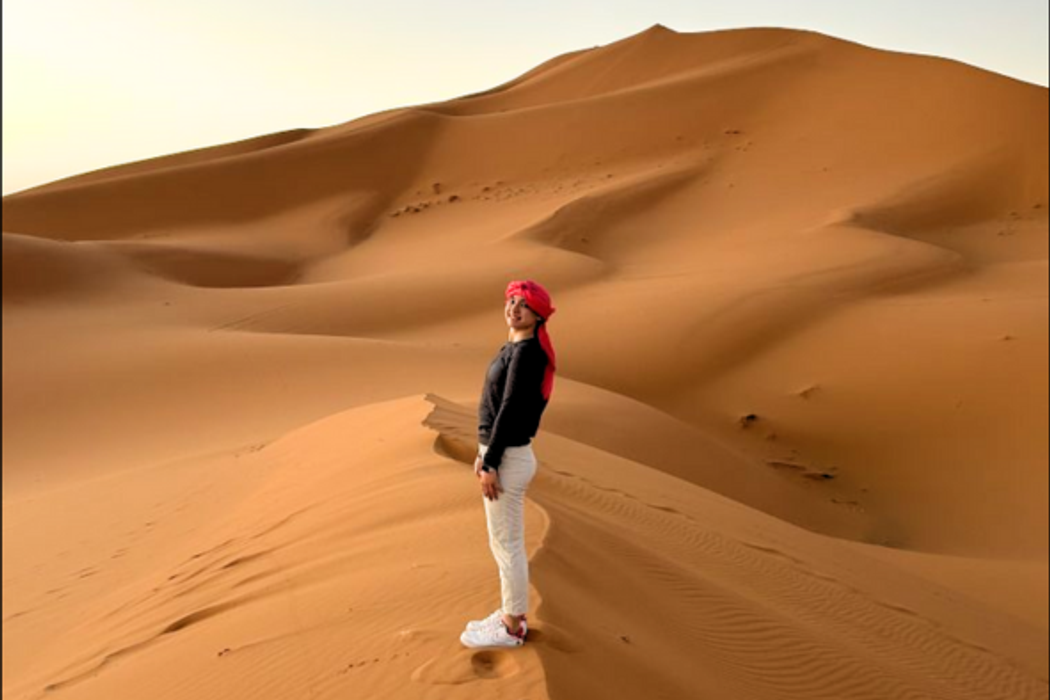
<point x="506" y="525"/>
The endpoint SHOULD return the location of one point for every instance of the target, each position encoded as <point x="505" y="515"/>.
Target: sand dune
<point x="797" y="446"/>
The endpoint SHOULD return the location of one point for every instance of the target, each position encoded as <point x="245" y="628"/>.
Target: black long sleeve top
<point x="512" y="399"/>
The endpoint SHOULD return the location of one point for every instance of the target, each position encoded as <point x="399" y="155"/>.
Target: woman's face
<point x="519" y="316"/>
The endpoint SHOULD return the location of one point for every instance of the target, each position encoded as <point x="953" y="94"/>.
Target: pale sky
<point x="93" y="83"/>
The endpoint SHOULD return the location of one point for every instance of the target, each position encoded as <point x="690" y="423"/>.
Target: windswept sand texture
<point x="797" y="445"/>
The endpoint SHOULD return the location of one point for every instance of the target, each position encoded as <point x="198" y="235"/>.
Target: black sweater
<point x="512" y="398"/>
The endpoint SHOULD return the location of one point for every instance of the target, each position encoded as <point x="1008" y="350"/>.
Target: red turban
<point x="539" y="301"/>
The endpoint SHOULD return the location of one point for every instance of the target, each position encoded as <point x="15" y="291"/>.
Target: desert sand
<point x="796" y="447"/>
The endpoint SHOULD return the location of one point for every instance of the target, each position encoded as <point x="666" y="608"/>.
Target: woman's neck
<point x="516" y="337"/>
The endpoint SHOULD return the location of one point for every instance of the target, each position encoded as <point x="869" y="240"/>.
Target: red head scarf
<point x="539" y="301"/>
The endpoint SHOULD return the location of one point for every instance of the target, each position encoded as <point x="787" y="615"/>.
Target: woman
<point x="517" y="389"/>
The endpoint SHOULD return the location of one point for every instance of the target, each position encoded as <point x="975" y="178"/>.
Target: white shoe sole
<point x="470" y="640"/>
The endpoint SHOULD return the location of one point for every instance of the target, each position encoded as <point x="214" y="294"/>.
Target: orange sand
<point x="240" y="390"/>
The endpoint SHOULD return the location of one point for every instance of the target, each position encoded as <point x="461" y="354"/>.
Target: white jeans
<point x="506" y="522"/>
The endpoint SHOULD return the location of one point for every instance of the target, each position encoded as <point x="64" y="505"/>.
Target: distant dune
<point x="797" y="446"/>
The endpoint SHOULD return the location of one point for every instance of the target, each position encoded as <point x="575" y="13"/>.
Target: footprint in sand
<point x="488" y="664"/>
<point x="493" y="664"/>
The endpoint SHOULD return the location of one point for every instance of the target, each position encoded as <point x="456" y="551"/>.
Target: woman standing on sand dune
<point x="517" y="389"/>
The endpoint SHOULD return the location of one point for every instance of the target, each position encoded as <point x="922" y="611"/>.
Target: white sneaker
<point x="493" y="636"/>
<point x="492" y="619"/>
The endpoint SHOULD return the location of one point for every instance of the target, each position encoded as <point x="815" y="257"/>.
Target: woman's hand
<point x="490" y="486"/>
